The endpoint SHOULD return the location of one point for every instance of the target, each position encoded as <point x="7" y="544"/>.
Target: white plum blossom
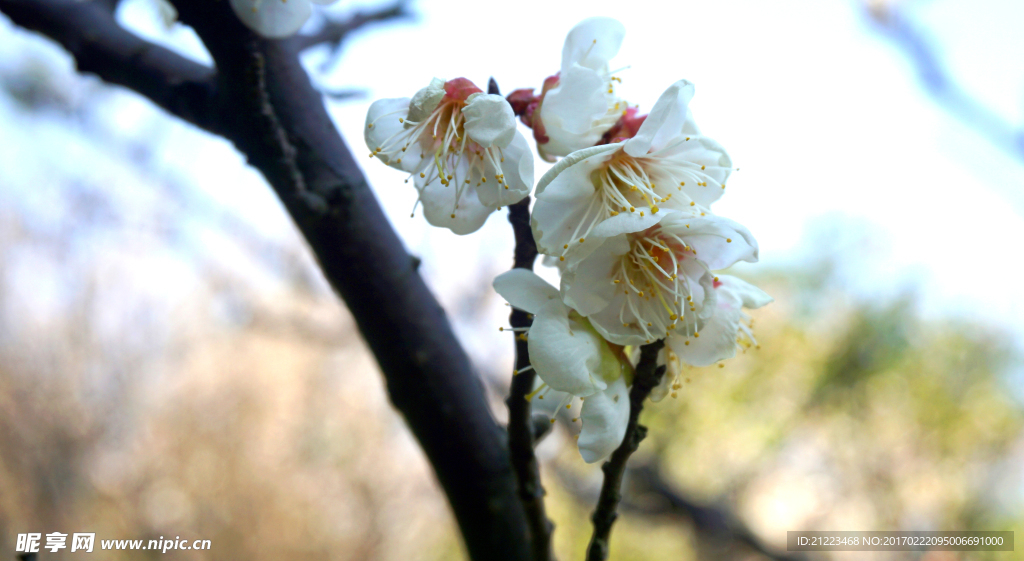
<point x="666" y="165"/>
<point x="728" y="329"/>
<point x="460" y="147"/>
<point x="580" y="105"/>
<point x="275" y="19"/>
<point x="569" y="356"/>
<point x="636" y="287"/>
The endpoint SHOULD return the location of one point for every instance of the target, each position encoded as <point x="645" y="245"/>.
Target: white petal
<point x="702" y="151"/>
<point x="525" y="290"/>
<point x="579" y="99"/>
<point x="387" y="128"/>
<point x="564" y="354"/>
<point x="439" y="204"/>
<point x="588" y="287"/>
<point x="596" y="155"/>
<point x="563" y="205"/>
<point x="665" y="122"/>
<point x="426" y="100"/>
<point x="719" y="242"/>
<point x="750" y="296"/>
<point x="592" y="43"/>
<point x="517" y="169"/>
<point x="489" y="120"/>
<point x="605" y="416"/>
<point x="273" y="19"/>
<point x="717" y="339"/>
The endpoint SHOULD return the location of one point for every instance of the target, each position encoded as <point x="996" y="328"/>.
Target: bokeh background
<point x="172" y="363"/>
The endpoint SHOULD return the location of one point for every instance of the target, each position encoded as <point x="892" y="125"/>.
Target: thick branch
<point x="100" y="46"/>
<point x="263" y="101"/>
<point x="648" y="375"/>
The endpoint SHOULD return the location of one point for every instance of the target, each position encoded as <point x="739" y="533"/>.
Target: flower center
<point x="657" y="292"/>
<point x="443" y="142"/>
<point x="625" y="183"/>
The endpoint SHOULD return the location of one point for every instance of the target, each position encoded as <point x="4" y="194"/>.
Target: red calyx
<point x="625" y="128"/>
<point x="459" y="89"/>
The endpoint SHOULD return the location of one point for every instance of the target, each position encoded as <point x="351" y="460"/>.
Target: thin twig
<point x="648" y="375"/>
<point x="520" y="423"/>
<point x="334" y="32"/>
<point x="939" y="82"/>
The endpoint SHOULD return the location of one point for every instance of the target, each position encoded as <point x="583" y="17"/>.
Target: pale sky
<point x="832" y="132"/>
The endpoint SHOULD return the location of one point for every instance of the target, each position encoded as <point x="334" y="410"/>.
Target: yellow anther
<point x="562" y="258"/>
<point x="566" y="246"/>
<point x="654" y="209"/>
<point x="720" y="365"/>
<point x="582" y="240"/>
<point x="401" y="120"/>
<point x="686" y="342"/>
<point x="728" y="240"/>
<point x="453" y="215"/>
<point x="692" y="203"/>
<point x="695" y="334"/>
<point x="631" y="209"/>
<point x="701" y="167"/>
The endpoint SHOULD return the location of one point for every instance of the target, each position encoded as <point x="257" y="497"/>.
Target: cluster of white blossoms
<point x="625" y="215"/>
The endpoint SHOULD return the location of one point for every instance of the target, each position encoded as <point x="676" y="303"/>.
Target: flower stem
<point x="520" y="423"/>
<point x="648" y="375"/>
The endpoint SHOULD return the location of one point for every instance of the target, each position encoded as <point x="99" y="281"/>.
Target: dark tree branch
<point x="335" y="32"/>
<point x="521" y="428"/>
<point x="715" y="523"/>
<point x="182" y="87"/>
<point x="262" y="100"/>
<point x="648" y="375"/>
